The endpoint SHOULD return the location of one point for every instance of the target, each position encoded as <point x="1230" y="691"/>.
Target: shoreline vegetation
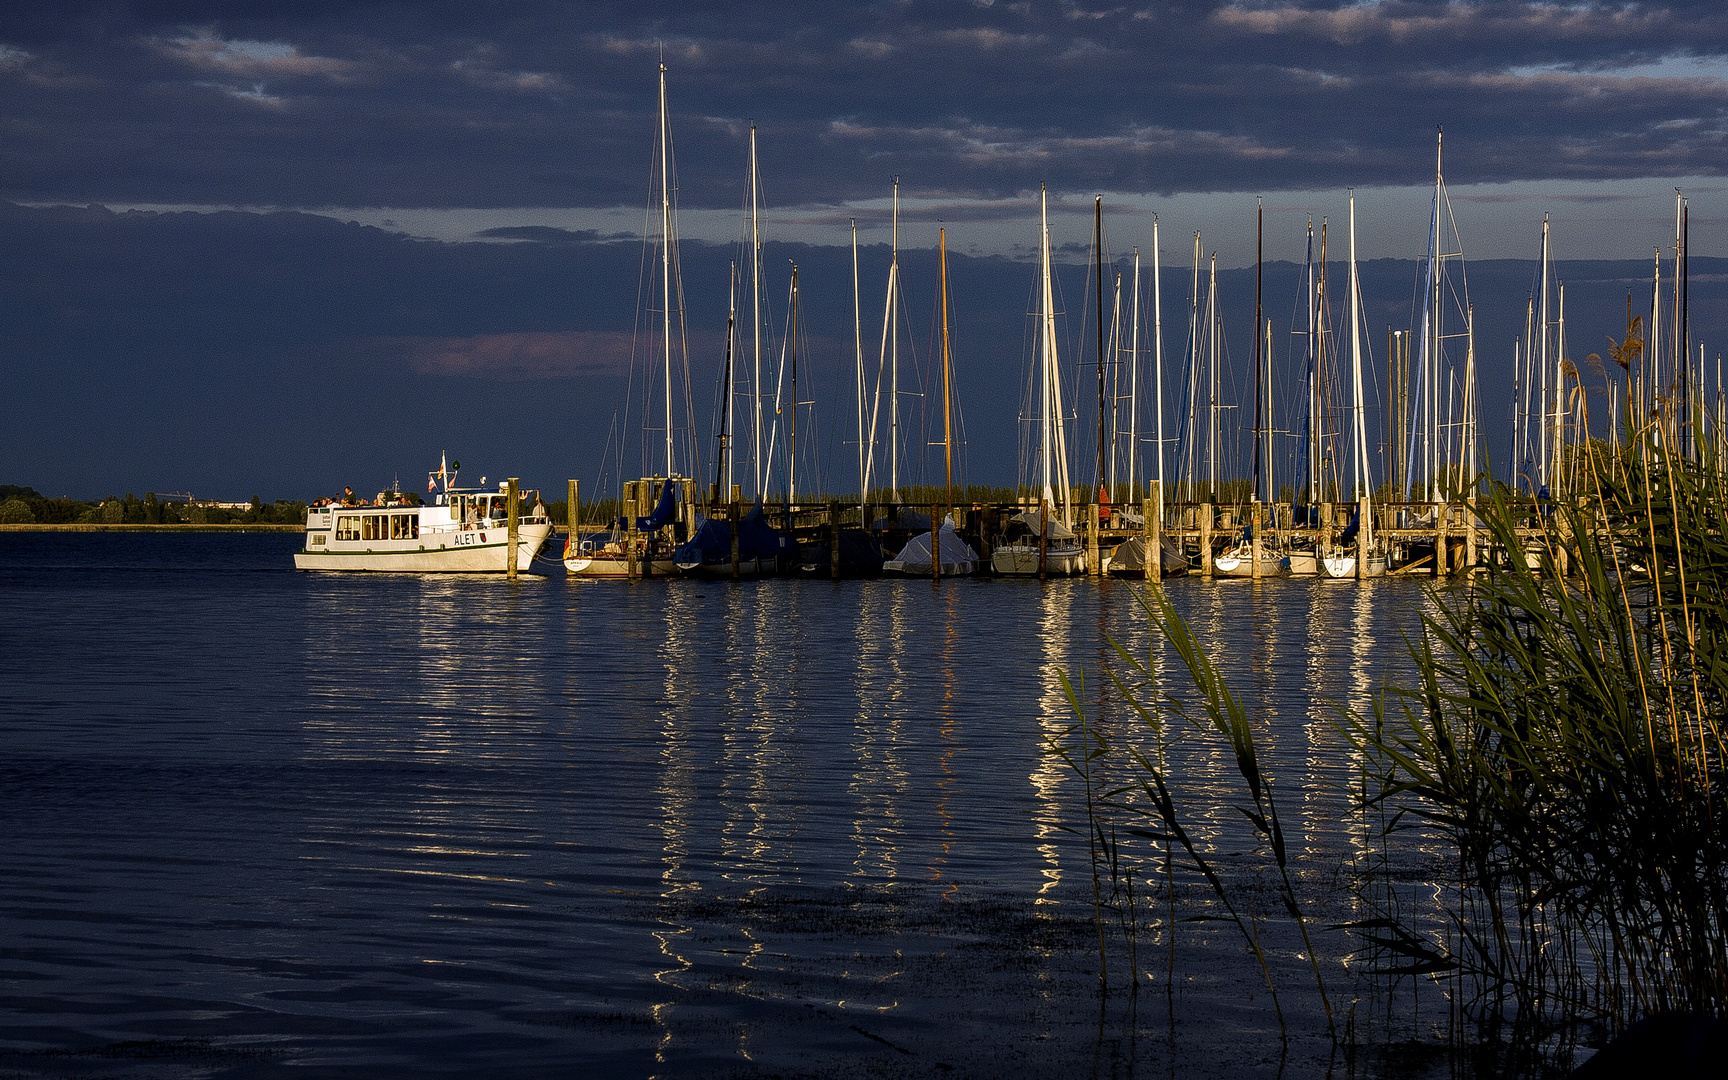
<point x="28" y="508"/>
<point x="142" y="527"/>
<point x="1544" y="833"/>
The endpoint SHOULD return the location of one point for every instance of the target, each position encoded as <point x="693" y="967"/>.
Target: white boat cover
<point x="1033" y="520"/>
<point x="957" y="555"/>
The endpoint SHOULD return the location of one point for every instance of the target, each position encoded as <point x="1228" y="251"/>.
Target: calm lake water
<point x="263" y="822"/>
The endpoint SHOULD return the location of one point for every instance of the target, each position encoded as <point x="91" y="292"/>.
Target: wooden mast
<point x="947" y="420"/>
<point x="723" y="475"/>
<point x="1098" y="248"/>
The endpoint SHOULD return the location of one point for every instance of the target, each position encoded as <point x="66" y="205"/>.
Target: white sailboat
<point x="648" y="547"/>
<point x="1042" y="540"/>
<point x="940" y="552"/>
<point x="1341" y="561"/>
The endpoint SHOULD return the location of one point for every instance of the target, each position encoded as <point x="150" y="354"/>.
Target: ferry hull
<point x="464" y="559"/>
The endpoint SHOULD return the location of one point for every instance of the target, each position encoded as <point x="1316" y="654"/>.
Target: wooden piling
<point x="834" y="539"/>
<point x="1149" y="530"/>
<point x="1254" y="539"/>
<point x="1469" y="536"/>
<point x="572" y="515"/>
<point x="733" y="521"/>
<point x="1441" y="513"/>
<point x="513" y="527"/>
<point x="1043" y="536"/>
<point x="632" y="564"/>
<point x="935" y="547"/>
<point x="1205" y="539"/>
<point x="1362" y="527"/>
<point x="1092" y="564"/>
<point x="1324" y="542"/>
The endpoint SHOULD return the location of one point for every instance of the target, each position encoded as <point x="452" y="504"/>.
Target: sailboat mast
<point x="1550" y="396"/>
<point x="756" y="319"/>
<point x="1134" y="381"/>
<point x="1115" y="378"/>
<point x="1190" y="418"/>
<point x="1212" y="380"/>
<point x="792" y="421"/>
<point x="1158" y="356"/>
<point x="1054" y="441"/>
<point x="947" y="403"/>
<point x="1560" y="408"/>
<point x="666" y="259"/>
<point x="723" y="481"/>
<point x="1045" y="342"/>
<point x="1259" y="356"/>
<point x="1313" y="462"/>
<point x="858" y="349"/>
<point x="894" y="356"/>
<point x="1098" y="249"/>
<point x="1364" y="485"/>
<point x="1469" y="417"/>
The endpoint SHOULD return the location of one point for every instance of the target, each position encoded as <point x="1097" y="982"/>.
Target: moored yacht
<point x="466" y="531"/>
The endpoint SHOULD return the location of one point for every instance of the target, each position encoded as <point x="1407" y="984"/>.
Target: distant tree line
<point x="25" y="506"/>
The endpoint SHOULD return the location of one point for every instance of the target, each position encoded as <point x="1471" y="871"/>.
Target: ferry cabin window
<point x="404" y="526"/>
<point x="347" y="527"/>
<point x="369" y="527"/>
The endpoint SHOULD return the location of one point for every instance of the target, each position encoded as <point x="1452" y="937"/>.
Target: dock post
<point x="1150" y="509"/>
<point x="1323" y="541"/>
<point x="1441" y="512"/>
<point x="834" y="539"/>
<point x="1092" y="566"/>
<point x="1254" y="539"/>
<point x="1469" y="535"/>
<point x="1043" y="536"/>
<point x="1205" y="539"/>
<point x="572" y="515"/>
<point x="632" y="569"/>
<point x="1363" y="527"/>
<point x="513" y="527"/>
<point x="935" y="547"/>
<point x="732" y="521"/>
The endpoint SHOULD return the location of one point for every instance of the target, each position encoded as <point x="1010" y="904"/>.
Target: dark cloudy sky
<point x="462" y="133"/>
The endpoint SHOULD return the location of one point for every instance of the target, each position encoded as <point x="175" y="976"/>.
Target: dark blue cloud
<point x="553" y="104"/>
<point x="288" y="354"/>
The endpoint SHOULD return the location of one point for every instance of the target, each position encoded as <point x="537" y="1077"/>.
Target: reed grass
<point x="1563" y="736"/>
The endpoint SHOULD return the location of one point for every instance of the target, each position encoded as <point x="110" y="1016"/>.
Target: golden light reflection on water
<point x="1054" y="617"/>
<point x="946" y="619"/>
<point x="880" y="778"/>
<point x="675" y="794"/>
<point x="781" y="735"/>
<point x="752" y="622"/>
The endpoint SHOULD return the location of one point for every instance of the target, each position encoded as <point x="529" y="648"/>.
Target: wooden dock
<point x="1418" y="538"/>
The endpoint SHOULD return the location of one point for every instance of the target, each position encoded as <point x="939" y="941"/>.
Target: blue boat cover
<point x="664" y="514"/>
<point x="1348" y="536"/>
<point x="713" y="541"/>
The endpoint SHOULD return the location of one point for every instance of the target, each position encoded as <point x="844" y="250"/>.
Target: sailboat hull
<point x="1240" y="564"/>
<point x="1021" y="560"/>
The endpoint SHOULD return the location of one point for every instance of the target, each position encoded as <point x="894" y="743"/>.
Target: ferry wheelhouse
<point x="465" y="531"/>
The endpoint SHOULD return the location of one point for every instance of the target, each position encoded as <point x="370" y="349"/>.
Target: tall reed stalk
<point x="1564" y="734"/>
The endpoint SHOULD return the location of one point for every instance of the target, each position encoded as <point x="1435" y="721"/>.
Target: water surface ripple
<point x="260" y="821"/>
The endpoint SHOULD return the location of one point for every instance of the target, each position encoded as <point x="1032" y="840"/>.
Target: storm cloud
<point x="459" y="105"/>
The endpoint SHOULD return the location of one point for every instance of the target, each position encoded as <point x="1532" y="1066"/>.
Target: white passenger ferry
<point x="466" y="531"/>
